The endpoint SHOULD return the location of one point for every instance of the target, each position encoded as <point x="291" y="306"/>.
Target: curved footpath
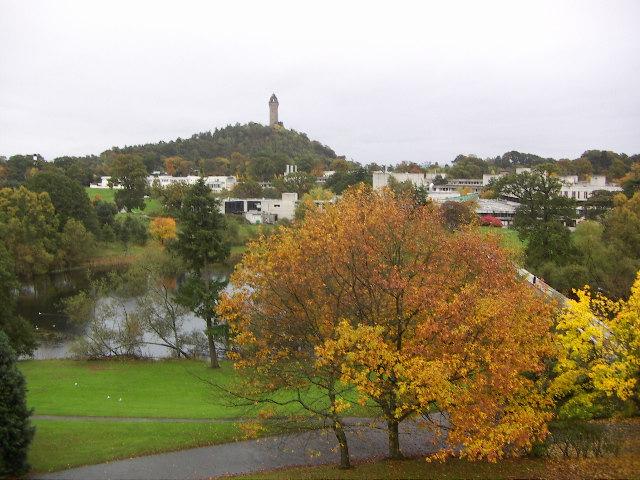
<point x="316" y="447"/>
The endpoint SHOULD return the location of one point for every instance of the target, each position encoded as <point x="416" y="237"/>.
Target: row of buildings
<point x="441" y="188"/>
<point x="216" y="183"/>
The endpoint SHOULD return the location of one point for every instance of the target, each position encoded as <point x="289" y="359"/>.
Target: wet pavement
<point x="316" y="447"/>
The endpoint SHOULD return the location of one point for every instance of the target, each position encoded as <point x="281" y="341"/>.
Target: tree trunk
<point x="345" y="462"/>
<point x="394" y="439"/>
<point x="213" y="355"/>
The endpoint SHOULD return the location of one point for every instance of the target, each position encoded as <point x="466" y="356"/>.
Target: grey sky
<point x="381" y="82"/>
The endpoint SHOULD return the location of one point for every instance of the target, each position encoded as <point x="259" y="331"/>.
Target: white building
<point x="473" y="185"/>
<point x="580" y="191"/>
<point x="572" y="187"/>
<point x="262" y="210"/>
<point x="325" y="176"/>
<point x="381" y="179"/>
<point x="216" y="183"/>
<point x="501" y="209"/>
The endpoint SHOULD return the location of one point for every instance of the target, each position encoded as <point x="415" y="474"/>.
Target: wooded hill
<point x="261" y="150"/>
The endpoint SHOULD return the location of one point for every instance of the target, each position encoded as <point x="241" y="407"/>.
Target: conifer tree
<point x="16" y="431"/>
<point x="202" y="242"/>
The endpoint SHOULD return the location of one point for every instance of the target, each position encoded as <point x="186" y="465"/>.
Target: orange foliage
<point x="163" y="229"/>
<point x="376" y="290"/>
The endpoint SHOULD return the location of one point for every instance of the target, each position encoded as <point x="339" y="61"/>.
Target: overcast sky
<point x="381" y="82"/>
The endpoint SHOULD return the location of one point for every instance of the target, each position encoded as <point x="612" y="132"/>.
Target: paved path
<point x="308" y="448"/>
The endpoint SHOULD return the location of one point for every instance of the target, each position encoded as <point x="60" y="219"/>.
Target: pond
<point x="41" y="303"/>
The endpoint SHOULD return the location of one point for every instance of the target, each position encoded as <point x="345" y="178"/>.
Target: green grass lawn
<point x="138" y="388"/>
<point x="508" y="237"/>
<point x="152" y="205"/>
<point x="64" y="444"/>
<point x="167" y="388"/>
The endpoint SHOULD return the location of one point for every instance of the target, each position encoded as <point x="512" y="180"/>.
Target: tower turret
<point x="273" y="110"/>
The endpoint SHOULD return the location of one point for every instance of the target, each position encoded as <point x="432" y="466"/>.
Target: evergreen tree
<point x="202" y="242"/>
<point x="16" y="431"/>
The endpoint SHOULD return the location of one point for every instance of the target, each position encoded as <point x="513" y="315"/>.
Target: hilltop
<point x="258" y="149"/>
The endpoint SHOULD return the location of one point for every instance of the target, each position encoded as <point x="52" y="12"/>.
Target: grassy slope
<point x="65" y="444"/>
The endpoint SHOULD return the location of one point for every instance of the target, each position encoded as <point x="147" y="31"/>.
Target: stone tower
<point x="273" y="110"/>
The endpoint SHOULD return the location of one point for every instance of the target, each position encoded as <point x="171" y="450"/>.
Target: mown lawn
<point x="152" y="205"/>
<point x="140" y="388"/>
<point x="59" y="444"/>
<point x="508" y="237"/>
<point x="155" y="389"/>
<point x="167" y="388"/>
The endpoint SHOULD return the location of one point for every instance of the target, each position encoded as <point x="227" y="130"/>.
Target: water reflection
<point x="42" y="304"/>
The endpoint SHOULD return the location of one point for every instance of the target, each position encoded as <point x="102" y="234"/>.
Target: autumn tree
<point x="631" y="181"/>
<point x="415" y="316"/>
<point x="310" y="201"/>
<point x="599" y="355"/>
<point x="178" y="166"/>
<point x="163" y="229"/>
<point x="458" y="214"/>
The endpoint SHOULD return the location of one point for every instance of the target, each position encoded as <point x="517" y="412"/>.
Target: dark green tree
<point x="106" y="212"/>
<point x="82" y="169"/>
<point x="16" y="431"/>
<point x="131" y="228"/>
<point x="468" y="166"/>
<point x="340" y="181"/>
<point x="543" y="215"/>
<point x="298" y="182"/>
<point x="16" y="170"/>
<point x="68" y="197"/>
<point x="129" y="172"/>
<point x="248" y="188"/>
<point x="18" y="330"/>
<point x="201" y="242"/>
<point x="599" y="203"/>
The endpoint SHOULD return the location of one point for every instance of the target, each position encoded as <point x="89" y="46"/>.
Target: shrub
<point x="16" y="431"/>
<point x="490" y="221"/>
<point x="578" y="439"/>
